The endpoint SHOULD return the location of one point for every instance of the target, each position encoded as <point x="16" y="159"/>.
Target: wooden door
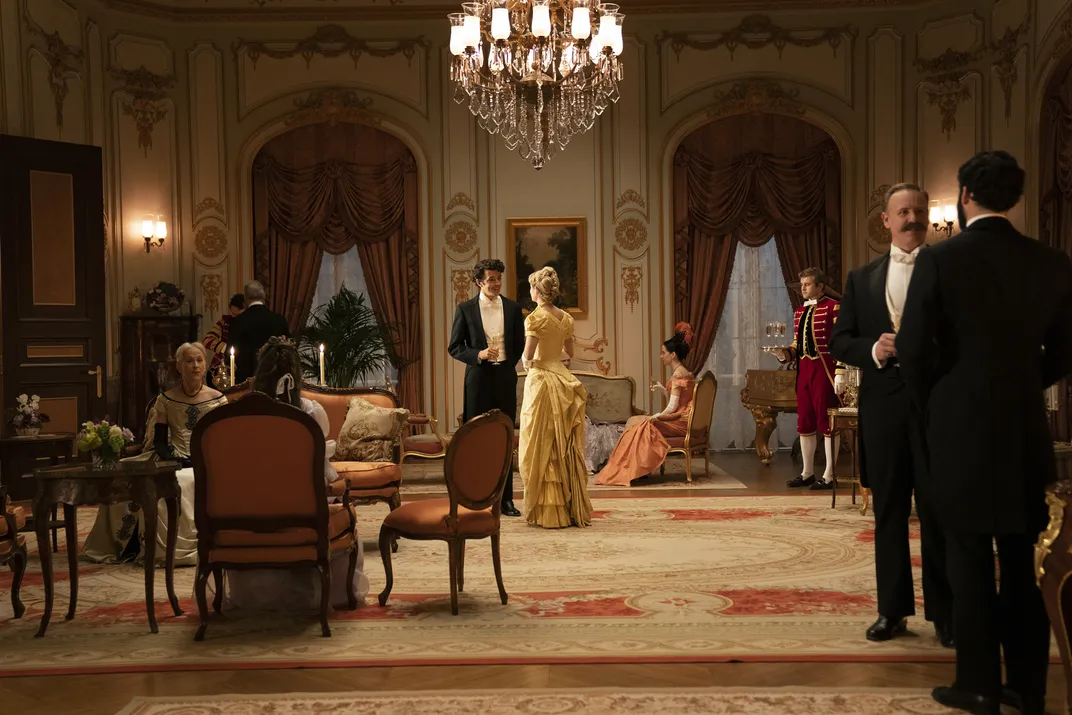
<point x="52" y="278"/>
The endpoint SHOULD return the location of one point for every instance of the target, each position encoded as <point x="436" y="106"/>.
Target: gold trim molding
<point x="146" y="89"/>
<point x="630" y="234"/>
<point x="208" y="204"/>
<point x="62" y="60"/>
<point x="1047" y="538"/>
<point x="461" y="237"/>
<point x="754" y="33"/>
<point x="211" y="241"/>
<point x="211" y="284"/>
<point x="630" y="196"/>
<point x="754" y="96"/>
<point x="632" y="277"/>
<point x="461" y="199"/>
<point x="331" y="106"/>
<point x="330" y="41"/>
<point x="461" y="281"/>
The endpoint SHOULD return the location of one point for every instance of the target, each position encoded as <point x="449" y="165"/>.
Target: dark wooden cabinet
<point x="147" y="345"/>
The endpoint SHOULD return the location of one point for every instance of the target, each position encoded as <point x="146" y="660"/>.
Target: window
<point x="756" y="296"/>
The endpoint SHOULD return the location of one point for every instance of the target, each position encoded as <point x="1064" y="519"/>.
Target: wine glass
<point x="770" y="332"/>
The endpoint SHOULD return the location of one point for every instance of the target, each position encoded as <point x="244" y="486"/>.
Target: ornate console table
<point x="1053" y="566"/>
<point x="765" y="394"/>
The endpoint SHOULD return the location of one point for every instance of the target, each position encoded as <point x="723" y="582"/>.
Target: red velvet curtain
<point x="324" y="188"/>
<point x="749" y="179"/>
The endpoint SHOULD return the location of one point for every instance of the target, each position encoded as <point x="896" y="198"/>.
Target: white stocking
<point x="832" y="445"/>
<point x="808" y="443"/>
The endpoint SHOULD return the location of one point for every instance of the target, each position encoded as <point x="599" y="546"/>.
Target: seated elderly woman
<point x="170" y="424"/>
<point x="278" y="375"/>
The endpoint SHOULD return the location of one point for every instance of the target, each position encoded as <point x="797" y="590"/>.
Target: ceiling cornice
<point x="153" y="8"/>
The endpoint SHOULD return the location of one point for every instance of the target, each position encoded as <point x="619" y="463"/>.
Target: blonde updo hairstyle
<point x="546" y="282"/>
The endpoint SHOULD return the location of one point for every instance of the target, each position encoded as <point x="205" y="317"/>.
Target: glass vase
<point x="104" y="461"/>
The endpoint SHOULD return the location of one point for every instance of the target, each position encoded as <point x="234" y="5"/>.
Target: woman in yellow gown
<point x="551" y="449"/>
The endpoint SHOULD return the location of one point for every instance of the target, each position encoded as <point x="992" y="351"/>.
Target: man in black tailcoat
<point x="893" y="457"/>
<point x="489" y="337"/>
<point x="987" y="328"/>
<point x="251" y="329"/>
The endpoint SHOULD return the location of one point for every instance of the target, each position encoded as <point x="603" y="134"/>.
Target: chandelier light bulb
<point x="541" y="19"/>
<point x="457" y="33"/>
<point x="147" y="228"/>
<point x="581" y="26"/>
<point x="951" y="212"/>
<point x="500" y="23"/>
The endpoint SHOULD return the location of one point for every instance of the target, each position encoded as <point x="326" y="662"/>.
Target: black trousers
<point x="492" y="387"/>
<point x="988" y="618"/>
<point x="896" y="455"/>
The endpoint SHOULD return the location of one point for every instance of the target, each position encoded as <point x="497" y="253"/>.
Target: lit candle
<point x="322" y="383"/>
<point x="232" y="366"/>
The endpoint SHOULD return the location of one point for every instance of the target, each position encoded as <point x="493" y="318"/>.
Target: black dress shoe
<point x="952" y="697"/>
<point x="801" y="481"/>
<point x="820" y="485"/>
<point x="945" y="635"/>
<point x="886" y="628"/>
<point x="508" y="508"/>
<point x="1012" y="698"/>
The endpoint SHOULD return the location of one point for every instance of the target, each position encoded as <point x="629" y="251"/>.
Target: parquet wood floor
<point x="107" y="694"/>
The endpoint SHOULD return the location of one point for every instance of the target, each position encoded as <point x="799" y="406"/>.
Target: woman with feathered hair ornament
<point x="643" y="447"/>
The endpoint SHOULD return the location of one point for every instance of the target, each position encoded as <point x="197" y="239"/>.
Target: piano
<point x="765" y="394"/>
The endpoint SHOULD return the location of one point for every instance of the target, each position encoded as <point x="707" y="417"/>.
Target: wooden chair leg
<point x="452" y="554"/>
<point x="394" y="503"/>
<point x="387" y="538"/>
<point x="217" y="580"/>
<point x="707" y="461"/>
<point x="200" y="587"/>
<point x="18" y="570"/>
<point x="461" y="565"/>
<point x="55" y="530"/>
<point x="498" y="567"/>
<point x="351" y="593"/>
<point x="688" y="467"/>
<point x="324" y="567"/>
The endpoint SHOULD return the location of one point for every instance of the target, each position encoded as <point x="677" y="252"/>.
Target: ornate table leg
<point x="169" y="563"/>
<point x="43" y="507"/>
<point x="867" y="498"/>
<point x="70" y="528"/>
<point x="764" y="418"/>
<point x="147" y="499"/>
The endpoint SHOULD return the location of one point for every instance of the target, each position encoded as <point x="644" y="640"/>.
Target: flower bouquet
<point x="105" y="442"/>
<point x="26" y="417"/>
<point x="165" y="298"/>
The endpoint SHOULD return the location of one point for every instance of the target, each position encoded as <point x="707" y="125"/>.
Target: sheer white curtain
<point x="345" y="270"/>
<point x="756" y="296"/>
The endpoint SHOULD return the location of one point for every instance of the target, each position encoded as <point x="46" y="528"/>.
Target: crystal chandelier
<point x="534" y="71"/>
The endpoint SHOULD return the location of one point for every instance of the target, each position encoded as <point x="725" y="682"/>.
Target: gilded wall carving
<point x="461" y="237"/>
<point x="756" y="32"/>
<point x="329" y="41"/>
<point x="211" y="283"/>
<point x="332" y="106"/>
<point x="877" y="233"/>
<point x="146" y="89"/>
<point x="756" y="95"/>
<point x="62" y="60"/>
<point x="1004" y="52"/>
<point x="462" y="282"/>
<point x="632" y="276"/>
<point x="461" y="199"/>
<point x="947" y="95"/>
<point x="208" y="204"/>
<point x="629" y="196"/>
<point x="211" y="241"/>
<point x="631" y="234"/>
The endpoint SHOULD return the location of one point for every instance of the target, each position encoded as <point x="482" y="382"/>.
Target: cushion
<point x="5" y="545"/>
<point x="19" y="512"/>
<point x="338" y="525"/>
<point x="423" y="443"/>
<point x="369" y="432"/>
<point x="365" y="475"/>
<point x="428" y="517"/>
<point x="276" y="554"/>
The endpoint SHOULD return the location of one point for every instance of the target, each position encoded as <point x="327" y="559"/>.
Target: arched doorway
<point x="757" y="198"/>
<point x="1055" y="197"/>
<point x="332" y="190"/>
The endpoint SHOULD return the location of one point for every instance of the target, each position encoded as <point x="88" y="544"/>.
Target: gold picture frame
<point x="560" y="242"/>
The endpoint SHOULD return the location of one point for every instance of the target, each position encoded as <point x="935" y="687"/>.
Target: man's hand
<point x="782" y="355"/>
<point x="488" y="354"/>
<point x="885" y="348"/>
<point x="839" y="384"/>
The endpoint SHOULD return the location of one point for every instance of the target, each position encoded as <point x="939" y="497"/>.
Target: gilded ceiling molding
<point x="756" y="32"/>
<point x="754" y="96"/>
<point x="332" y="106"/>
<point x="211" y="283"/>
<point x="1004" y="53"/>
<point x="330" y="41"/>
<point x="462" y="282"/>
<point x="461" y="237"/>
<point x="146" y="89"/>
<point x="461" y="199"/>
<point x="632" y="276"/>
<point x="62" y="60"/>
<point x="630" y="234"/>
<point x="630" y="196"/>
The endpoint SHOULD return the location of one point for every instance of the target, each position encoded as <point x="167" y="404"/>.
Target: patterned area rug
<point x="652" y="580"/>
<point x="699" y="701"/>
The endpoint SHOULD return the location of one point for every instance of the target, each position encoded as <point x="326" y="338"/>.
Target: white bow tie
<point x="813" y="301"/>
<point x="902" y="257"/>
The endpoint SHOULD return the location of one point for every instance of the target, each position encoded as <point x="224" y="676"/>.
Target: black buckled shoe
<point x="820" y="485"/>
<point x="885" y="629"/>
<point x="952" y="697"/>
<point x="801" y="481"/>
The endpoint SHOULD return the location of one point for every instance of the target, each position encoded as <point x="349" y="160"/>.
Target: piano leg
<point x="764" y="418"/>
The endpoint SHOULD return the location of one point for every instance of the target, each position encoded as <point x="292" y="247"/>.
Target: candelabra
<point x="942" y="217"/>
<point x="533" y="72"/>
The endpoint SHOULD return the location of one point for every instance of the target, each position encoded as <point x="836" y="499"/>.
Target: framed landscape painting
<point x="533" y="243"/>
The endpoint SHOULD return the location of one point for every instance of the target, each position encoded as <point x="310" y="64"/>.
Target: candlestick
<point x="232" y="366"/>
<point x="322" y="383"/>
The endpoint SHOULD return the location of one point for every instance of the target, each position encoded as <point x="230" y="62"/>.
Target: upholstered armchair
<point x="260" y="500"/>
<point x="475" y="469"/>
<point x="422" y="444"/>
<point x="13" y="547"/>
<point x="697" y="439"/>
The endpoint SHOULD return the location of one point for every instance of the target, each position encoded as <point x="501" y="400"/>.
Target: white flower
<point x="23" y="399"/>
<point x="115" y="432"/>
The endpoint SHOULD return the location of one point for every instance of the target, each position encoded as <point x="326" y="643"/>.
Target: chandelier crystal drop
<point x="536" y="72"/>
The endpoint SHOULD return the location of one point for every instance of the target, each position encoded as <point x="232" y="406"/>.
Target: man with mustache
<point x="987" y="328"/>
<point x="893" y="456"/>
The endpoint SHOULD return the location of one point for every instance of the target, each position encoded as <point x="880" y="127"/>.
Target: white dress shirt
<point x="898" y="275"/>
<point x="491" y="314"/>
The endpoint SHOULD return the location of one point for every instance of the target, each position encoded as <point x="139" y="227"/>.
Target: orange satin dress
<point x="643" y="447"/>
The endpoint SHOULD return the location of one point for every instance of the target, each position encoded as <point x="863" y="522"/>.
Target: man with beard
<point x="987" y="327"/>
<point x="893" y="457"/>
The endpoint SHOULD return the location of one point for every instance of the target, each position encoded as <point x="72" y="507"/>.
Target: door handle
<point x="98" y="373"/>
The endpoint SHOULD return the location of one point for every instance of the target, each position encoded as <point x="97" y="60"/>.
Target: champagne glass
<point x="495" y="342"/>
<point x="770" y="332"/>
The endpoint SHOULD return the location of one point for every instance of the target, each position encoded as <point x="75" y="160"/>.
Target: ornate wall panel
<point x="885" y="107"/>
<point x="54" y="59"/>
<point x="629" y="180"/>
<point x="632" y="295"/>
<point x="459" y="180"/>
<point x="950" y="129"/>
<point x="950" y="41"/>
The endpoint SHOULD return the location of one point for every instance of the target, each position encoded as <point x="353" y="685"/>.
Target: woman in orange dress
<point x="643" y="447"/>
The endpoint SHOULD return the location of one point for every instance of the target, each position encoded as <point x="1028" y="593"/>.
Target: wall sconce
<point x="943" y="216"/>
<point x="153" y="228"/>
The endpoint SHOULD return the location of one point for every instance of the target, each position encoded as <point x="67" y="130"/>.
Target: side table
<point x="141" y="482"/>
<point x="845" y="420"/>
<point x="20" y="456"/>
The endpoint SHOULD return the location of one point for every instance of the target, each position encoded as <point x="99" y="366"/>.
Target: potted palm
<point x="356" y="343"/>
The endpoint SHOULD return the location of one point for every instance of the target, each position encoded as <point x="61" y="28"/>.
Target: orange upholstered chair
<point x="13" y="547"/>
<point x="476" y="466"/>
<point x="697" y="439"/>
<point x="260" y="500"/>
